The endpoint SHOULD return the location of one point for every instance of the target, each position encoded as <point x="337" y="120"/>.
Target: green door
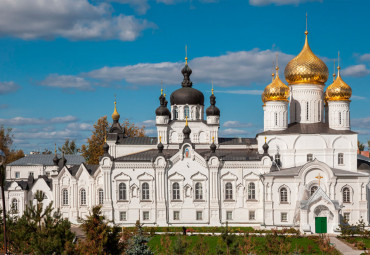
<point x="321" y="225"/>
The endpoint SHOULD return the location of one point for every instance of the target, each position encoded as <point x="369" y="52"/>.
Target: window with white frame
<point x="307" y="111"/>
<point x="346" y="216"/>
<point x="101" y="196"/>
<point x="346" y="195"/>
<point x="199" y="215"/>
<point x="122" y="216"/>
<point x="17" y="175"/>
<point x="276" y="119"/>
<point x="145" y="191"/>
<point x="122" y="191"/>
<point x="176" y="113"/>
<point x="198" y="191"/>
<point x="146" y="215"/>
<point x="65" y="197"/>
<point x="284" y="217"/>
<point x="252" y="215"/>
<point x="340" y="158"/>
<point x="283" y="195"/>
<point x="176" y="191"/>
<point x="14" y="205"/>
<point x="186" y="111"/>
<point x="251" y="191"/>
<point x="82" y="197"/>
<point x="229" y="215"/>
<point x="176" y="215"/>
<point x="313" y="189"/>
<point x="228" y="191"/>
<point x="277" y="159"/>
<point x="340" y="118"/>
<point x="309" y="157"/>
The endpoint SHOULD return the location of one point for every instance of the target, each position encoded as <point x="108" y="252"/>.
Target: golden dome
<point x="339" y="90"/>
<point x="276" y="90"/>
<point x="115" y="114"/>
<point x="306" y="68"/>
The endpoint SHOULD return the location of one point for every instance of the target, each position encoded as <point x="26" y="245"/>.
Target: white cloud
<point x="71" y="19"/>
<point x="21" y="121"/>
<point x="236" y="124"/>
<point x="141" y="6"/>
<point x="80" y="126"/>
<point x="150" y="131"/>
<point x="365" y="57"/>
<point x="147" y="123"/>
<point x="358" y="97"/>
<point x="356" y="71"/>
<point x="240" y="68"/>
<point x="279" y="2"/>
<point x="233" y="132"/>
<point x="66" y="82"/>
<point x="8" y="87"/>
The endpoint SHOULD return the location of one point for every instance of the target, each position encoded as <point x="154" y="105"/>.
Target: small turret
<point x="265" y="148"/>
<point x="186" y="131"/>
<point x="213" y="147"/>
<point x="55" y="159"/>
<point x="160" y="146"/>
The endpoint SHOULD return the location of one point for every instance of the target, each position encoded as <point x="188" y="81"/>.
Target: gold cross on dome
<point x="319" y="177"/>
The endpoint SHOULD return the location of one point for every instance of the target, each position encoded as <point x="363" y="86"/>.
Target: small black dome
<point x="187" y="94"/>
<point x="160" y="147"/>
<point x="213" y="110"/>
<point x="186" y="131"/>
<point x="105" y="148"/>
<point x="162" y="110"/>
<point x="56" y="160"/>
<point x="213" y="147"/>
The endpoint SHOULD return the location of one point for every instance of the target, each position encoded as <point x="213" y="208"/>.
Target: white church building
<point x="302" y="171"/>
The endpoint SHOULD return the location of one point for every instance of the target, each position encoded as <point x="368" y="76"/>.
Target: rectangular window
<point x="199" y="215"/>
<point x="346" y="216"/>
<point x="284" y="217"/>
<point x="17" y="175"/>
<point x="229" y="215"/>
<point x="176" y="215"/>
<point x="340" y="159"/>
<point x="31" y="174"/>
<point x="309" y="157"/>
<point x="252" y="215"/>
<point x="145" y="215"/>
<point x="122" y="216"/>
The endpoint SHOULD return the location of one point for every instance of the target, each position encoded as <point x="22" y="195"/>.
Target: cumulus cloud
<point x="8" y="87"/>
<point x="354" y="97"/>
<point x="240" y="68"/>
<point x="233" y="132"/>
<point x="361" y="123"/>
<point x="279" y="2"/>
<point x="147" y="123"/>
<point x="67" y="82"/>
<point x="365" y="57"/>
<point x="356" y="71"/>
<point x="80" y="126"/>
<point x="71" y="19"/>
<point x="236" y="124"/>
<point x="22" y="121"/>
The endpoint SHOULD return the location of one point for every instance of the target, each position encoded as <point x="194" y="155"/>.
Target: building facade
<point x="302" y="167"/>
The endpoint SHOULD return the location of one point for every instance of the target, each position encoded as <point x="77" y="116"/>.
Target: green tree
<point x="94" y="148"/>
<point x="361" y="146"/>
<point x="138" y="244"/>
<point x="100" y="237"/>
<point x="6" y="143"/>
<point x="69" y="147"/>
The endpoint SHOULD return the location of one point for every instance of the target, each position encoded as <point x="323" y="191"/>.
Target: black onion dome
<point x="265" y="148"/>
<point x="187" y="94"/>
<point x="55" y="160"/>
<point x="213" y="147"/>
<point x="186" y="131"/>
<point x="213" y="110"/>
<point x="105" y="148"/>
<point x="160" y="147"/>
<point x="162" y="110"/>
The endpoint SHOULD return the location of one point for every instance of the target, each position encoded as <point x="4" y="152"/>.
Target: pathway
<point x="343" y="247"/>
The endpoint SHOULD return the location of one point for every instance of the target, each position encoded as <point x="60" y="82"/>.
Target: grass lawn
<point x="309" y="246"/>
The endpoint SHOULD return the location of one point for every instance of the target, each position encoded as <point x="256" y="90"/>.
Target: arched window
<point x="309" y="157"/>
<point x="15" y="205"/>
<point x="346" y="195"/>
<point x="340" y="118"/>
<point x="198" y="191"/>
<point x="83" y="197"/>
<point x="122" y="191"/>
<point x="340" y="159"/>
<point x="228" y="191"/>
<point x="277" y="159"/>
<point x="283" y="195"/>
<point x="313" y="189"/>
<point x="176" y="191"/>
<point x="251" y="191"/>
<point x="65" y="197"/>
<point x="307" y="112"/>
<point x="101" y="196"/>
<point x="145" y="191"/>
<point x="276" y="119"/>
<point x="197" y="113"/>
<point x="176" y="113"/>
<point x="186" y="111"/>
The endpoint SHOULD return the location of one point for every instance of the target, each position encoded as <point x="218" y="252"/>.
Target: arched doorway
<point x="323" y="217"/>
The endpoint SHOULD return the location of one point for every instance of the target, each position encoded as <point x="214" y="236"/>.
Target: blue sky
<point x="62" y="61"/>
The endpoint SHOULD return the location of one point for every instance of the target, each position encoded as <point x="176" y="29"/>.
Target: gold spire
<point x="115" y="114"/>
<point x="306" y="68"/>
<point x="164" y="95"/>
<point x="276" y="90"/>
<point x="334" y="71"/>
<point x="265" y="139"/>
<point x="186" y="55"/>
<point x="186" y="123"/>
<point x="161" y="87"/>
<point x="339" y="90"/>
<point x="212" y="87"/>
<point x="213" y="139"/>
<point x="55" y="149"/>
<point x="160" y="139"/>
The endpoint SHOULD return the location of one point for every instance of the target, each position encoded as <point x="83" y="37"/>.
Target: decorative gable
<point x="176" y="177"/>
<point x="145" y="177"/>
<point x="199" y="177"/>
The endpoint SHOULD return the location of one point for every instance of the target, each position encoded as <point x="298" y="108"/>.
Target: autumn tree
<point x="69" y="147"/>
<point x="6" y="143"/>
<point x="94" y="148"/>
